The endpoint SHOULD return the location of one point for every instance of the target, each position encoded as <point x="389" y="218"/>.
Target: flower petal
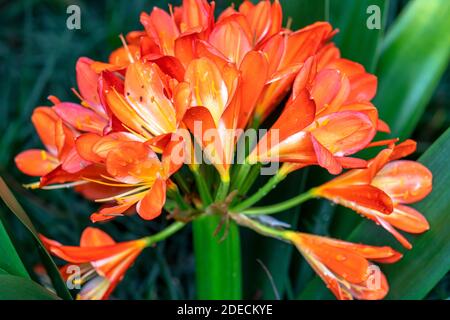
<point x="161" y="27"/>
<point x="325" y="158"/>
<point x="208" y="87"/>
<point x="87" y="81"/>
<point x="36" y="163"/>
<point x="44" y="120"/>
<point x="361" y="198"/>
<point x="85" y="144"/>
<point x="230" y="39"/>
<point x="344" y="133"/>
<point x="133" y="162"/>
<point x="151" y="205"/>
<point x="80" y="117"/>
<point x="407" y="219"/>
<point x="405" y="181"/>
<point x="254" y="72"/>
<point x="343" y="262"/>
<point x="93" y="237"/>
<point x="144" y="91"/>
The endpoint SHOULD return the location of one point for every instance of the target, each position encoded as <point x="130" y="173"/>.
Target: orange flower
<point x="286" y="53"/>
<point x="134" y="167"/>
<point x="327" y="117"/>
<point x="192" y="18"/>
<point x="301" y="137"/>
<point x="345" y="266"/>
<point x="120" y="58"/>
<point x="57" y="138"/>
<point x="380" y="191"/>
<point x="149" y="102"/>
<point x="60" y="162"/>
<point x="101" y="260"/>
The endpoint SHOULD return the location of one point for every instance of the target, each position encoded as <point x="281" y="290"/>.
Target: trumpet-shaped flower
<point x="102" y="262"/>
<point x="381" y="191"/>
<point x="302" y="137"/>
<point x="346" y="267"/>
<point x="134" y="167"/>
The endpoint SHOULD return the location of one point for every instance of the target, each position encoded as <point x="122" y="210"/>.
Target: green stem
<point x="174" y="192"/>
<point x="239" y="178"/>
<point x="244" y="148"/>
<point x="261" y="193"/>
<point x="218" y="263"/>
<point x="222" y="191"/>
<point x="260" y="228"/>
<point x="181" y="182"/>
<point x="251" y="178"/>
<point x="203" y="188"/>
<point x="281" y="206"/>
<point x="162" y="235"/>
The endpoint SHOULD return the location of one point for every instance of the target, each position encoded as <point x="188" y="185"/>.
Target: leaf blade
<point x="17" y="288"/>
<point x="10" y="261"/>
<point x="415" y="54"/>
<point x="16" y="208"/>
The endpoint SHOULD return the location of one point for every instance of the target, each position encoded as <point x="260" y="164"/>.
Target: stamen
<point x="124" y="196"/>
<point x="124" y="185"/>
<point x="130" y="56"/>
<point x="64" y="185"/>
<point x="33" y="185"/>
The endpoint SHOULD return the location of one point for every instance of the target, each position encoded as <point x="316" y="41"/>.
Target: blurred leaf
<point x="422" y="267"/>
<point x="10" y="261"/>
<point x="414" y="56"/>
<point x="16" y="208"/>
<point x="355" y="40"/>
<point x="17" y="288"/>
<point x="304" y="12"/>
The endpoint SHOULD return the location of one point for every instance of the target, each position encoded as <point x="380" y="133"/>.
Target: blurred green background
<point x="37" y="58"/>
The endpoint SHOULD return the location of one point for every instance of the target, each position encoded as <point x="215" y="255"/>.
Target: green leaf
<point x="304" y="12"/>
<point x="355" y="40"/>
<point x="422" y="267"/>
<point x="10" y="261"/>
<point x="218" y="262"/>
<point x="16" y="208"/>
<point x="414" y="56"/>
<point x="17" y="288"/>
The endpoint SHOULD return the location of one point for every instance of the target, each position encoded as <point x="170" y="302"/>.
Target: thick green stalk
<point x="281" y="206"/>
<point x="218" y="262"/>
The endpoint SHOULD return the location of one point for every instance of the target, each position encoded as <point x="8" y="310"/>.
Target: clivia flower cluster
<point x="136" y="124"/>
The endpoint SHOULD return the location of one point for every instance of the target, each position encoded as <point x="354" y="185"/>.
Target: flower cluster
<point x="187" y="80"/>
